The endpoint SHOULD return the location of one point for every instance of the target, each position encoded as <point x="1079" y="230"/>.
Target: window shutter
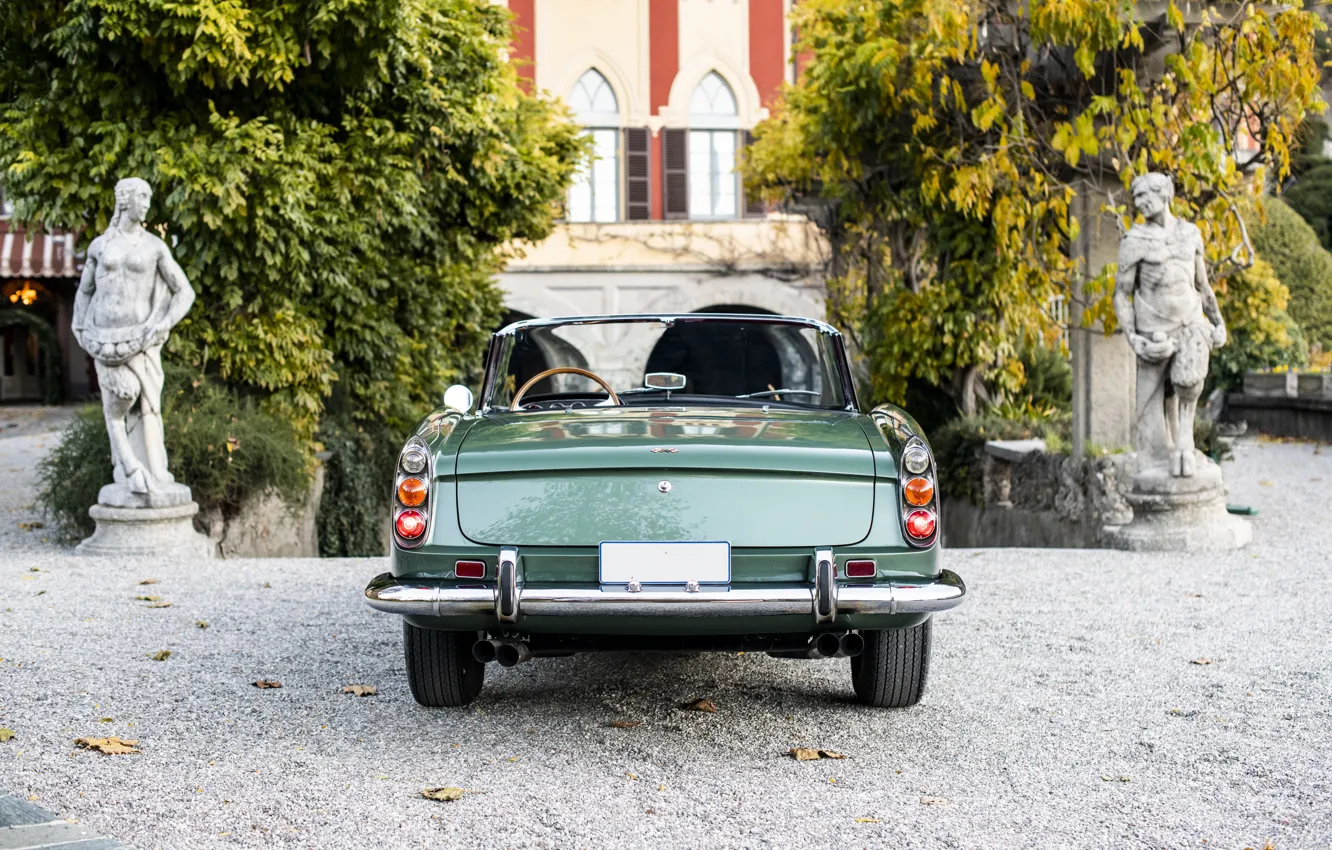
<point x="675" y="173"/>
<point x="753" y="207"/>
<point x="637" y="174"/>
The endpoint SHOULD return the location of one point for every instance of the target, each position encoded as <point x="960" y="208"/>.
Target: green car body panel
<point x="771" y="482"/>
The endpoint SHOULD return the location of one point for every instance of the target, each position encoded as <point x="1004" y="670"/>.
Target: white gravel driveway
<point x="1063" y="709"/>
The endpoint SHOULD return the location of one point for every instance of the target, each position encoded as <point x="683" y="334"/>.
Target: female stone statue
<point x="131" y="295"/>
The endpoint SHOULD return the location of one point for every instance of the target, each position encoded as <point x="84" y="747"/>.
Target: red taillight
<point x="469" y="569"/>
<point x="860" y="569"/>
<point x="920" y="524"/>
<point x="411" y="524"/>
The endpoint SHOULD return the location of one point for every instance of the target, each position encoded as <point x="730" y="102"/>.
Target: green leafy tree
<point x="338" y="180"/>
<point x="941" y="146"/>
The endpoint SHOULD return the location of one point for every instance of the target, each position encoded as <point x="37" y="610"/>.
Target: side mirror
<point x="458" y="398"/>
<point x="664" y="381"/>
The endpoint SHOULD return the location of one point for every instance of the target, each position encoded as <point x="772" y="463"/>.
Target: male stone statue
<point x="130" y="297"/>
<point x="1168" y="310"/>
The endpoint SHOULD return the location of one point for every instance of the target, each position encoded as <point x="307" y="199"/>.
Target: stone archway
<point x="23" y="323"/>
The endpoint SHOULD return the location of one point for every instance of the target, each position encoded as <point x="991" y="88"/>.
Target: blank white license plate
<point x="665" y="563"/>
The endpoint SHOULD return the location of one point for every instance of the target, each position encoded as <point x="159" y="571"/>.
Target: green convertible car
<point x="681" y="482"/>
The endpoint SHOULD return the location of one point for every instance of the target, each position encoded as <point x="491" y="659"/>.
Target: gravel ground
<point x="1064" y="709"/>
<point x="26" y="433"/>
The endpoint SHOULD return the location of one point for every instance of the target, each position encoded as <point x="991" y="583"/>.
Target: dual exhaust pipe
<point x="507" y="651"/>
<point x="833" y="645"/>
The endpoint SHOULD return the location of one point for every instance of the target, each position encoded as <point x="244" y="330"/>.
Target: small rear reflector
<point x="860" y="569"/>
<point x="470" y="569"/>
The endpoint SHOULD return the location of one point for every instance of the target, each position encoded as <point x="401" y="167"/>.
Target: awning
<point x="37" y="254"/>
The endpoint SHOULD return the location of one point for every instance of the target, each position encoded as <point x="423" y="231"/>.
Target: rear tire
<point x="440" y="666"/>
<point x="891" y="672"/>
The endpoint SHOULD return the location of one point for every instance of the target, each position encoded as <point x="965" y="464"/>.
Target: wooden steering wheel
<point x="562" y="370"/>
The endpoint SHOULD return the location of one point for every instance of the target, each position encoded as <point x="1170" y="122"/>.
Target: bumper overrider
<point x="823" y="600"/>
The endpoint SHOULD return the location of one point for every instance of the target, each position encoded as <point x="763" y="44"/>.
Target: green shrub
<point x="1262" y="333"/>
<point x="959" y="446"/>
<point x="1048" y="379"/>
<point x="219" y="444"/>
<point x="1311" y="197"/>
<point x="358" y="482"/>
<point x="1286" y="240"/>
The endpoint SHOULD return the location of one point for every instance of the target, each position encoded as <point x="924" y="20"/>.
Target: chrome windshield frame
<point x="839" y="348"/>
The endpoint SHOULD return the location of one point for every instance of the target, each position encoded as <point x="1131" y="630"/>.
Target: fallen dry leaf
<point x="627" y="724"/>
<point x="1201" y="661"/>
<point x="1265" y="483"/>
<point x="203" y="624"/>
<point x="147" y="598"/>
<point x="106" y="720"/>
<point x="361" y="690"/>
<point x="112" y="746"/>
<point x="812" y="753"/>
<point x="159" y="605"/>
<point x="868" y="820"/>
<point x="29" y="526"/>
<point x="701" y="705"/>
<point x="1105" y="778"/>
<point x="633" y="776"/>
<point x="149" y="581"/>
<point x="932" y="801"/>
<point x="6" y="734"/>
<point x="446" y="794"/>
<point x="161" y="655"/>
<point x="267" y="683"/>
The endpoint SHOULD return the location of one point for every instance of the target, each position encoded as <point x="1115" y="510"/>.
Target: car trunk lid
<point x="746" y="476"/>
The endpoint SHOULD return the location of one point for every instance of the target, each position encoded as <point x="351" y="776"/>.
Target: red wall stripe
<point x="663" y="50"/>
<point x="523" y="48"/>
<point x="767" y="57"/>
<point x="663" y="65"/>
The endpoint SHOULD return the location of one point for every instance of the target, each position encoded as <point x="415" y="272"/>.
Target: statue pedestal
<point x="1173" y="514"/>
<point x="146" y="532"/>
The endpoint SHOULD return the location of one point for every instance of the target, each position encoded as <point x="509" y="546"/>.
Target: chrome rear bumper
<point x="448" y="598"/>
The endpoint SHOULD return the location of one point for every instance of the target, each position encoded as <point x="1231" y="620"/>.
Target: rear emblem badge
<point x="664" y="486"/>
<point x="658" y="451"/>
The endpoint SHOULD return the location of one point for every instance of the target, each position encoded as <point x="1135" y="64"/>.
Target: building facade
<point x="39" y="359"/>
<point x="668" y="90"/>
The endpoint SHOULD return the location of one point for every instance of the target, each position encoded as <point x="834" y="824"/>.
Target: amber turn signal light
<point x="411" y="524"/>
<point x="412" y="492"/>
<point x="918" y="491"/>
<point x="920" y="524"/>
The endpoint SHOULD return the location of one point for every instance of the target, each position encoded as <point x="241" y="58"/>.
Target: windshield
<point x="706" y="361"/>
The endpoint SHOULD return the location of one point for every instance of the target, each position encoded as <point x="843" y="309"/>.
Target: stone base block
<point x="146" y="532"/>
<point x="1176" y="514"/>
<point x="170" y="495"/>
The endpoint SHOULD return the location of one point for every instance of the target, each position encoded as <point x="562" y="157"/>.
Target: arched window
<point x="595" y="193"/>
<point x="713" y="120"/>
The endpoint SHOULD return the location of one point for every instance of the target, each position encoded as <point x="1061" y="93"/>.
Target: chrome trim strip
<point x="507" y="600"/>
<point x="386" y="593"/>
<point x="614" y="601"/>
<point x="825" y="587"/>
<point x="618" y="318"/>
